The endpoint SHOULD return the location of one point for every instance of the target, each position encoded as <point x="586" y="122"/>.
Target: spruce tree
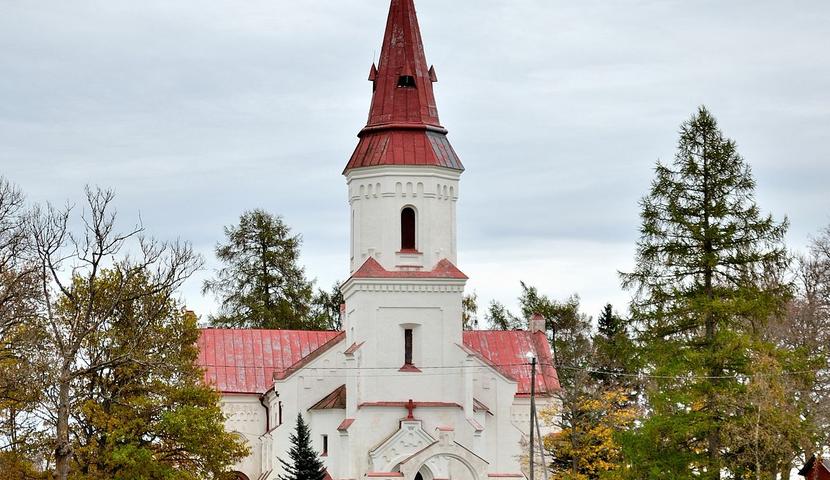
<point x="304" y="464"/>
<point x="703" y="249"/>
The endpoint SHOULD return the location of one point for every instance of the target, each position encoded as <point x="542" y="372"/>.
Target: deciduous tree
<point x="19" y="377"/>
<point x="151" y="417"/>
<point x="325" y="308"/>
<point x="106" y="327"/>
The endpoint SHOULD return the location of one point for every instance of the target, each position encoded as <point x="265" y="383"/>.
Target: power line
<point x="442" y="370"/>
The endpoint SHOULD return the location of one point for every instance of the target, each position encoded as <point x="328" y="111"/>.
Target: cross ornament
<point x="410" y="406"/>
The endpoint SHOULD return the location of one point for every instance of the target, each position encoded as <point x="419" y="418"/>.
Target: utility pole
<point x="532" y="407"/>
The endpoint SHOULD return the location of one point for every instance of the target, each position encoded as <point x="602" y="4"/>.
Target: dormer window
<point x="408" y="229"/>
<point x="406" y="81"/>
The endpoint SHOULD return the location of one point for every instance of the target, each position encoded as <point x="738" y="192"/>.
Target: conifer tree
<point x="615" y="360"/>
<point x="261" y="284"/>
<point x="304" y="464"/>
<point x="703" y="249"/>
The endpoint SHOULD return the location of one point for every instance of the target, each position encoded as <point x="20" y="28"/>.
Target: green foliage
<point x="261" y="284"/>
<point x="469" y="311"/>
<point x="499" y="317"/>
<point x="304" y="463"/>
<point x="325" y="308"/>
<point x="615" y="352"/>
<point x="148" y="415"/>
<point x="700" y="294"/>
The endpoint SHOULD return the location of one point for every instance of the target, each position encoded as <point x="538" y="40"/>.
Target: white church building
<point x="403" y="392"/>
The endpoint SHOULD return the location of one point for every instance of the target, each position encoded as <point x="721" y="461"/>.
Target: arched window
<point x="407" y="229"/>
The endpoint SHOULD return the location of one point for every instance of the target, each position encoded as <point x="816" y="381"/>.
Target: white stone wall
<point x="378" y="312"/>
<point x="498" y="443"/>
<point x="378" y="195"/>
<point x="246" y="418"/>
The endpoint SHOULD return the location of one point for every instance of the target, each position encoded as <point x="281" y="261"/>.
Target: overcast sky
<point x="194" y="111"/>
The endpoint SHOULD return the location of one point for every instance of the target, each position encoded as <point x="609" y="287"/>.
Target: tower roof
<point x="402" y="85"/>
<point x="403" y="126"/>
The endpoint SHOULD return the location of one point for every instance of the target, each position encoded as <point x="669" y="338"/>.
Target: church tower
<point x="403" y="300"/>
<point x="403" y="176"/>
<point x="402" y="393"/>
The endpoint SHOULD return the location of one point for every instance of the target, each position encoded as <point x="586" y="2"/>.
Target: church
<point x="402" y="392"/>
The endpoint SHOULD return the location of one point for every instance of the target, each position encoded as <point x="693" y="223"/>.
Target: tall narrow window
<point x="279" y="413"/>
<point x="325" y="450"/>
<point x="407" y="346"/>
<point x="407" y="229"/>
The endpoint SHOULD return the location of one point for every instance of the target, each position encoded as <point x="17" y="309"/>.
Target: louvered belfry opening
<point x="408" y="229"/>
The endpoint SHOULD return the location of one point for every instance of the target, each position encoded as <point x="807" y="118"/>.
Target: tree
<point x="18" y="307"/>
<point x="588" y="448"/>
<point x="614" y="352"/>
<point x="325" y="308"/>
<point x="590" y="410"/>
<point x="802" y="338"/>
<point x="698" y="297"/>
<point x="152" y="417"/>
<point x="499" y="317"/>
<point x="304" y="464"/>
<point x="261" y="285"/>
<point x="105" y="317"/>
<point x="469" y="311"/>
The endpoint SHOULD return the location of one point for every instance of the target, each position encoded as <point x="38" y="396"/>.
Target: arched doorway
<point x="240" y="476"/>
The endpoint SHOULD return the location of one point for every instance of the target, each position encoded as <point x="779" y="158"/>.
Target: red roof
<point x="247" y="361"/>
<point x="403" y="126"/>
<point x="506" y="351"/>
<point x="445" y="269"/>
<point x="333" y="401"/>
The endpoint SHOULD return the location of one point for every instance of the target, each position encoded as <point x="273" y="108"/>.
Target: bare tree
<point x="75" y="308"/>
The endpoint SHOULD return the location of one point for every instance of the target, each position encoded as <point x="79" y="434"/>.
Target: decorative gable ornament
<point x="410" y="439"/>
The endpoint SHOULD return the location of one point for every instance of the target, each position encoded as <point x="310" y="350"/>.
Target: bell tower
<point x="403" y="176"/>
<point x="403" y="299"/>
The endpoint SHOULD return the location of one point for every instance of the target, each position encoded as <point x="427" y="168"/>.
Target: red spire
<point x="403" y="126"/>
<point x="403" y="88"/>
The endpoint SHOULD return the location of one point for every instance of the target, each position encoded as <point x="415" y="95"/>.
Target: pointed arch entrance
<point x="449" y="452"/>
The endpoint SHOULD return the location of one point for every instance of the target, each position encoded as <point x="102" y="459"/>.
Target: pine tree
<point x="304" y="464"/>
<point x="261" y="284"/>
<point x="703" y="249"/>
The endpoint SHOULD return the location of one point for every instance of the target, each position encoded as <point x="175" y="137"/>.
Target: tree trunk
<point x="63" y="449"/>
<point x="713" y="436"/>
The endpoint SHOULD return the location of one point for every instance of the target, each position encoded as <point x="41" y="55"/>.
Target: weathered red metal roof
<point x="248" y="361"/>
<point x="402" y="54"/>
<point x="444" y="269"/>
<point x="507" y="352"/>
<point x="403" y="126"/>
<point x="333" y="401"/>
